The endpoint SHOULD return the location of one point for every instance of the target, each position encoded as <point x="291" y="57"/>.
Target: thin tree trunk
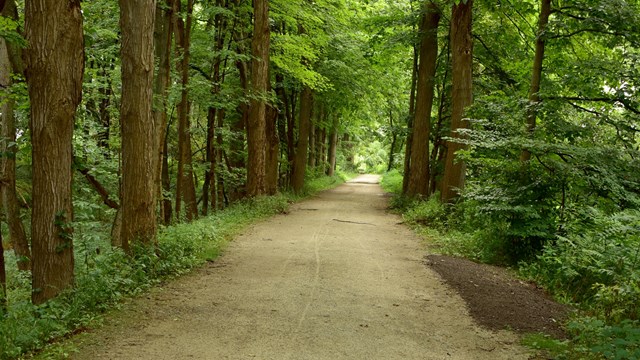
<point x="311" y="162"/>
<point x="273" y="152"/>
<point x="185" y="188"/>
<point x="348" y="146"/>
<point x="167" y="210"/>
<point x="256" y="130"/>
<point x="300" y="162"/>
<point x="461" y="96"/>
<point x="106" y="91"/>
<point x="3" y="279"/>
<point x="322" y="154"/>
<point x="394" y="140"/>
<point x="210" y="175"/>
<point x="163" y="39"/>
<point x="419" y="169"/>
<point x="412" y="103"/>
<point x="55" y="63"/>
<point x="439" y="145"/>
<point x="333" y="147"/>
<point x="139" y="132"/>
<point x="17" y="234"/>
<point x="219" y="152"/>
<point x="536" y="75"/>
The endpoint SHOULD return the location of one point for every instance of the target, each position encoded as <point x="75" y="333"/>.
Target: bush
<point x="597" y="265"/>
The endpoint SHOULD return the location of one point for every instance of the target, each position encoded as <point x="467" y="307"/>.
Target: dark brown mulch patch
<point x="498" y="301"/>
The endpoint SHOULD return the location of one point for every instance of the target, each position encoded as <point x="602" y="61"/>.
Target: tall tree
<point x="163" y="38"/>
<point x="536" y="75"/>
<point x="256" y="129"/>
<point x="185" y="188"/>
<point x="419" y="165"/>
<point x="55" y="66"/>
<point x="300" y="161"/>
<point x="11" y="63"/>
<point x="139" y="153"/>
<point x="461" y="95"/>
<point x="3" y="279"/>
<point x="333" y="146"/>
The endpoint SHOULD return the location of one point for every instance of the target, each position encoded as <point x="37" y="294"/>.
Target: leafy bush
<point x="595" y="339"/>
<point x="391" y="182"/>
<point x="596" y="264"/>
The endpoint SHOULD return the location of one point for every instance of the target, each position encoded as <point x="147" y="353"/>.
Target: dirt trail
<point x="336" y="278"/>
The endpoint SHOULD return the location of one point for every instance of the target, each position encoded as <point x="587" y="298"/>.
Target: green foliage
<point x="595" y="339"/>
<point x="597" y="264"/>
<point x="391" y="182"/>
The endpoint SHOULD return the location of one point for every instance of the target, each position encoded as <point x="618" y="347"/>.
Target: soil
<point x="496" y="300"/>
<point x="338" y="277"/>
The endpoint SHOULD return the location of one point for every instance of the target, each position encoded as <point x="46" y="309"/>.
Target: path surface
<point x="336" y="278"/>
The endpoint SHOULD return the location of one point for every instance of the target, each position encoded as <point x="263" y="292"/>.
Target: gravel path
<point x="336" y="278"/>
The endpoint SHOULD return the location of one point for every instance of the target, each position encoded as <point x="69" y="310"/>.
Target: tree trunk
<point x="55" y="67"/>
<point x="311" y="162"/>
<point x="163" y="39"/>
<point x="273" y="152"/>
<point x="439" y="145"/>
<point x="185" y="188"/>
<point x="347" y="145"/>
<point x="412" y="103"/>
<point x="256" y="131"/>
<point x="461" y="96"/>
<point x="237" y="142"/>
<point x="300" y="162"/>
<point x="138" y="128"/>
<point x="167" y="210"/>
<point x="3" y="280"/>
<point x="17" y="235"/>
<point x="419" y="169"/>
<point x="210" y="175"/>
<point x="209" y="186"/>
<point x="394" y="140"/>
<point x="333" y="147"/>
<point x="536" y="75"/>
<point x="219" y="152"/>
<point x="322" y="150"/>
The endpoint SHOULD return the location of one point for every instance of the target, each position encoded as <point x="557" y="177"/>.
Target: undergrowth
<point x="593" y="265"/>
<point x="105" y="277"/>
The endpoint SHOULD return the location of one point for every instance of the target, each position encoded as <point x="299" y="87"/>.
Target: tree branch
<point x="97" y="186"/>
<point x="610" y="100"/>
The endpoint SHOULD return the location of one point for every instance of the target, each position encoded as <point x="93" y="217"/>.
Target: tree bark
<point x="3" y="280"/>
<point x="322" y="150"/>
<point x="419" y="169"/>
<point x="139" y="133"/>
<point x="167" y="209"/>
<point x="300" y="162"/>
<point x="163" y="39"/>
<point x="312" y="146"/>
<point x="536" y="74"/>
<point x="394" y="140"/>
<point x="272" y="152"/>
<point x="256" y="130"/>
<point x="185" y="188"/>
<point x="461" y="96"/>
<point x="409" y="142"/>
<point x="209" y="186"/>
<point x="55" y="67"/>
<point x="17" y="235"/>
<point x="333" y="147"/>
